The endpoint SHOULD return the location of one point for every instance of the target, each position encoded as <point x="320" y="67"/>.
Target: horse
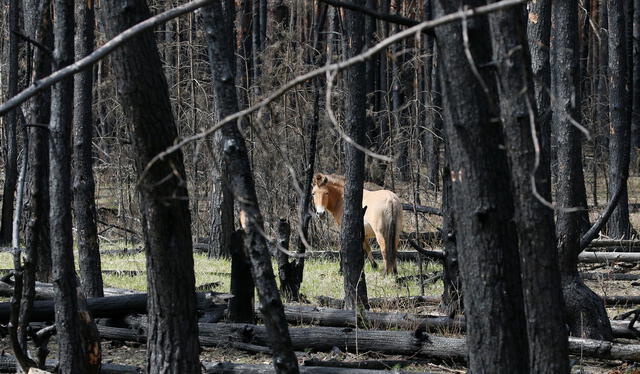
<point x="382" y="217"/>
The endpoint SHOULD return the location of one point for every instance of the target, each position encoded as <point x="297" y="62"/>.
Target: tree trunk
<point x="398" y="98"/>
<point x="236" y="159"/>
<point x="222" y="216"/>
<point x="84" y="185"/>
<point x="37" y="23"/>
<point x="71" y="353"/>
<point x="351" y="239"/>
<point x="635" y="117"/>
<point x="487" y="243"/>
<point x="534" y="221"/>
<point x="586" y="315"/>
<point x="434" y="134"/>
<point x="172" y="345"/>
<point x="619" y="226"/>
<point x="10" y="125"/>
<point x="242" y="284"/>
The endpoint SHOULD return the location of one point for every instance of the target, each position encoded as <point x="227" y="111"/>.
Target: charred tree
<point x="585" y="311"/>
<point x="635" y="57"/>
<point x="10" y="130"/>
<point x="548" y="351"/>
<point x="83" y="184"/>
<point x="618" y="226"/>
<point x="172" y="342"/>
<point x="71" y="354"/>
<point x="241" y="306"/>
<point x="236" y="158"/>
<point x="38" y="26"/>
<point x="485" y="232"/>
<point x="351" y="239"/>
<point x="399" y="88"/>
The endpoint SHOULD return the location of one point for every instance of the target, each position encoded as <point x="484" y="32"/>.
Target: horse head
<point x="320" y="193"/>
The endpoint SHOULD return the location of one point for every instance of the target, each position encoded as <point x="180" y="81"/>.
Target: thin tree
<point x="172" y="341"/>
<point x="483" y="207"/>
<point x="236" y="158"/>
<point x="83" y="184"/>
<point x="586" y="315"/>
<point x="546" y="333"/>
<point x="11" y="156"/>
<point x="619" y="226"/>
<point x="635" y="116"/>
<point x="355" y="289"/>
<point x="71" y="354"/>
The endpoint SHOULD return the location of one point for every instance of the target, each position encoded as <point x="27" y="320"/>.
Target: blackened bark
<point x="11" y="156"/>
<point x="434" y="134"/>
<point x="635" y="117"/>
<point x="83" y="184"/>
<point x="236" y="158"/>
<point x="172" y="342"/>
<point x="538" y="34"/>
<point x="618" y="226"/>
<point x="452" y="292"/>
<point x="586" y="315"/>
<point x="221" y="208"/>
<point x="487" y="243"/>
<point x="38" y="25"/>
<point x="548" y="350"/>
<point x="399" y="87"/>
<point x="241" y="306"/>
<point x="286" y="269"/>
<point x="71" y="353"/>
<point x="355" y="289"/>
<point x="244" y="55"/>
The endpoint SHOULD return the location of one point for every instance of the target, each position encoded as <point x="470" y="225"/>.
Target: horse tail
<point x="392" y="232"/>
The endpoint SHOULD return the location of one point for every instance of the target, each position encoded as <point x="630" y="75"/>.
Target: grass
<point x="321" y="276"/>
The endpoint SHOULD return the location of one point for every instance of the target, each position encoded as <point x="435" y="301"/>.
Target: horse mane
<point x="335" y="179"/>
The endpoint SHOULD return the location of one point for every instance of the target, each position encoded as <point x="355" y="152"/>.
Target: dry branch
<point x="600" y="257"/>
<point x="231" y="368"/>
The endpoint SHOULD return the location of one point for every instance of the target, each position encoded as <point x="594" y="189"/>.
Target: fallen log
<point x="8" y="365"/>
<point x="621" y="300"/>
<point x="415" y="344"/>
<point x="600" y="257"/>
<point x="112" y="307"/>
<point x="384" y="302"/>
<point x="609" y="276"/>
<point x="231" y="368"/>
<point x="368" y="364"/>
<point x="309" y="315"/>
<point x="422" y="209"/>
<point x="44" y="291"/>
<point x="614" y="245"/>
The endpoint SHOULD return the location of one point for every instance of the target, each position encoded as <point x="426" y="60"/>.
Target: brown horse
<point x="382" y="218"/>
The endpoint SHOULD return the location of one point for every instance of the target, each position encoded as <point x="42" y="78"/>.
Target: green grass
<point x="321" y="277"/>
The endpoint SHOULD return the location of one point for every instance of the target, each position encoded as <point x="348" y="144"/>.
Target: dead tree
<point x="72" y="355"/>
<point x="483" y="204"/>
<point x="236" y="158"/>
<point x="534" y="221"/>
<point x="619" y="226"/>
<point x="586" y="315"/>
<point x="242" y="285"/>
<point x="83" y="184"/>
<point x="172" y="344"/>
<point x="10" y="129"/>
<point x="351" y="239"/>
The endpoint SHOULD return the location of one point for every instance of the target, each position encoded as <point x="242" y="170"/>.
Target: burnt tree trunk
<point x="70" y="352"/>
<point x="355" y="288"/>
<point x="398" y="98"/>
<point x="10" y="130"/>
<point x="236" y="158"/>
<point x="172" y="344"/>
<point x="286" y="269"/>
<point x="487" y="242"/>
<point x="241" y="306"/>
<point x="37" y="24"/>
<point x="83" y="184"/>
<point x="635" y="57"/>
<point x="534" y="221"/>
<point x="585" y="311"/>
<point x="618" y="226"/>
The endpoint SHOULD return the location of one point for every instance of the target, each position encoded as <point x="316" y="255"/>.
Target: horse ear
<point x="319" y="179"/>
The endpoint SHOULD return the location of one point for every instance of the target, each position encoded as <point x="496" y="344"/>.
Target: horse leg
<point x="383" y="249"/>
<point x="367" y="250"/>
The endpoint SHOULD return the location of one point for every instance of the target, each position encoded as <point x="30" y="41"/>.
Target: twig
<point x="592" y="233"/>
<point x="100" y="53"/>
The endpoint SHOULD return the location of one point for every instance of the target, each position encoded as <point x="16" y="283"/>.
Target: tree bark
<point x="585" y="311"/>
<point x="242" y="184"/>
<point x="172" y="345"/>
<point x="619" y="226"/>
<point x="84" y="185"/>
<point x="534" y="221"/>
<point x="242" y="284"/>
<point x="37" y="22"/>
<point x="351" y="239"/>
<point x="71" y="353"/>
<point x="10" y="130"/>
<point x="635" y="116"/>
<point x="485" y="231"/>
